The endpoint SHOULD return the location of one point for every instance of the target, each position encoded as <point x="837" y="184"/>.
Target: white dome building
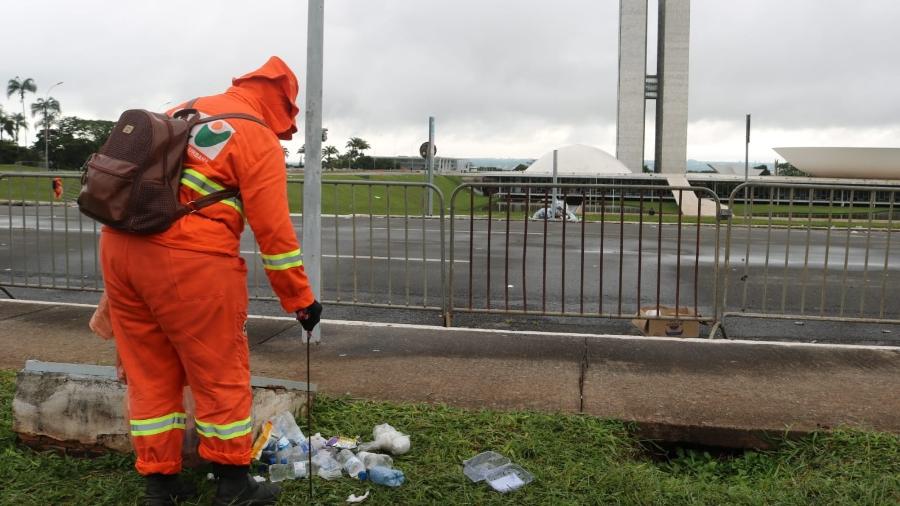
<point x="578" y="160"/>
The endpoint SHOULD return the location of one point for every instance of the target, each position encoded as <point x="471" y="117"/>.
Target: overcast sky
<point x="511" y="78"/>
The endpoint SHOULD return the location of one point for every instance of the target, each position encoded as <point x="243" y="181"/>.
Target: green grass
<point x="575" y="459"/>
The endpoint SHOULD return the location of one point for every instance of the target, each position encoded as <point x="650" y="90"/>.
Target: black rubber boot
<point x="237" y="488"/>
<point x="167" y="490"/>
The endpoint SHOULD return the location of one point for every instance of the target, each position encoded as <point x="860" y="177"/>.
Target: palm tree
<point x="2" y="123"/>
<point x="328" y="154"/>
<point x="49" y="109"/>
<point x="7" y="125"/>
<point x="21" y="87"/>
<point x="356" y="147"/>
<point x="18" y="123"/>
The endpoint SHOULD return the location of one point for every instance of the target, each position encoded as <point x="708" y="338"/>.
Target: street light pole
<point x="47" y="127"/>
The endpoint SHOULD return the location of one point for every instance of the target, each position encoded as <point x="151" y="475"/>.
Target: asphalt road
<point x="527" y="266"/>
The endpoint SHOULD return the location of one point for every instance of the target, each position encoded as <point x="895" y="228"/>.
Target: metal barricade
<point x="634" y="249"/>
<point x="380" y="245"/>
<point x="48" y="243"/>
<point x="807" y="251"/>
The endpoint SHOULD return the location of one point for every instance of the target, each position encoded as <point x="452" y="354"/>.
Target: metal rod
<point x="827" y="252"/>
<point x="678" y="259"/>
<point x="390" y="281"/>
<point x="787" y="251"/>
<point x="471" y="242"/>
<point x="847" y="253"/>
<point x="544" y="257"/>
<point x="371" y="248"/>
<point x="525" y="250"/>
<point x="765" y="294"/>
<point x="337" y="246"/>
<point x="887" y="253"/>
<point x="804" y="279"/>
<point x="659" y="228"/>
<point x="490" y="220"/>
<point x="406" y="243"/>
<point x="506" y="256"/>
<point x="583" y="247"/>
<point x="353" y="241"/>
<point x="602" y="241"/>
<point x="621" y="245"/>
<point x="640" y="250"/>
<point x="562" y="278"/>
<point x="865" y="278"/>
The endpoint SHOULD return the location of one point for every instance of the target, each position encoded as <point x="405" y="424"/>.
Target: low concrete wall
<point x="81" y="408"/>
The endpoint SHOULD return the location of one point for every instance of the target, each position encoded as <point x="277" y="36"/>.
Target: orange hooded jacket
<point x="242" y="154"/>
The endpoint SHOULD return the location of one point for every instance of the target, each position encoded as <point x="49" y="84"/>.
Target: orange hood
<point x="273" y="87"/>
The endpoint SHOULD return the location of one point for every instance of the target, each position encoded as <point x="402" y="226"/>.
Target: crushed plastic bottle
<point x="371" y="460"/>
<point x="292" y="471"/>
<point x="317" y="442"/>
<point x="352" y="464"/>
<point x="325" y="466"/>
<point x="287" y="427"/>
<point x="386" y="476"/>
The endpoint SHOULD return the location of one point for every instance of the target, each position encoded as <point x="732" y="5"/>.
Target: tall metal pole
<point x="312" y="171"/>
<point x="747" y="152"/>
<point x="429" y="163"/>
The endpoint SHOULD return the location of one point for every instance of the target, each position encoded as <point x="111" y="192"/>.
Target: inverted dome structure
<point x="856" y="163"/>
<point x="578" y="160"/>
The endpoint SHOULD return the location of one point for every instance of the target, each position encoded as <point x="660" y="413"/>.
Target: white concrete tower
<point x="632" y="73"/>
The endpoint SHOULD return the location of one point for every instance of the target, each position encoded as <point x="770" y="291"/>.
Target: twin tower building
<point x="668" y="87"/>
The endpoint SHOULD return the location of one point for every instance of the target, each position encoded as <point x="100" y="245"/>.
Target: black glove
<point x="310" y="316"/>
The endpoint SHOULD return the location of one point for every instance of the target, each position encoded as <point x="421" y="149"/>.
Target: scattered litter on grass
<point x="799" y="323"/>
<point x="259" y="479"/>
<point x="497" y="470"/>
<point x="354" y="498"/>
<point x="284" y="452"/>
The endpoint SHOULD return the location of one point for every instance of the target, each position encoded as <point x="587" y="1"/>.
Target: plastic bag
<point x="100" y="323"/>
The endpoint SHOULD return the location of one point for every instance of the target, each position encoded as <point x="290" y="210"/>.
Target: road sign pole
<point x="312" y="170"/>
<point x="429" y="163"/>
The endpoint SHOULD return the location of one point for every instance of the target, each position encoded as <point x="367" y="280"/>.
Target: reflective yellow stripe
<point x="204" y="186"/>
<point x="225" y="431"/>
<point x="158" y="425"/>
<point x="282" y="261"/>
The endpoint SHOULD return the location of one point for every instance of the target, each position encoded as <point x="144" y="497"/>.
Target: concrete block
<point x="81" y="408"/>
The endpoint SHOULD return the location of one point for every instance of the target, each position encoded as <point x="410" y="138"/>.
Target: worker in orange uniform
<point x="178" y="299"/>
<point x="57" y="186"/>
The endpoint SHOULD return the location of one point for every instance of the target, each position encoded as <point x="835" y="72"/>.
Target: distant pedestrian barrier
<point x="799" y="251"/>
<point x="630" y="249"/>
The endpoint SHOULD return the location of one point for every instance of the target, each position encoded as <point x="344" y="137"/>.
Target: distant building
<point x="417" y="163"/>
<point x="874" y="163"/>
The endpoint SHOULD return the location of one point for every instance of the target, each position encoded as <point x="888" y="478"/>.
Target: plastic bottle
<point x="281" y="472"/>
<point x="287" y="427"/>
<point x="294" y="454"/>
<point x="371" y="460"/>
<point x="352" y="464"/>
<point x="325" y="466"/>
<point x="386" y="476"/>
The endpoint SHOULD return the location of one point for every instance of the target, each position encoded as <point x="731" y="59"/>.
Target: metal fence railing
<point x="381" y="247"/>
<point x="631" y="249"/>
<point x="804" y="251"/>
<point x="48" y="243"/>
<point x="799" y="251"/>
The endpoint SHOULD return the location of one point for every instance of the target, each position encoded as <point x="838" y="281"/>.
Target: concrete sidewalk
<point x="728" y="393"/>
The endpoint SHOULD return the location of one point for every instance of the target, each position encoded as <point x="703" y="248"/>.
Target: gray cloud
<point x="509" y="78"/>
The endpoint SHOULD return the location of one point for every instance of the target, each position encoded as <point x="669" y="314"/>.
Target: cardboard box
<point x="649" y="324"/>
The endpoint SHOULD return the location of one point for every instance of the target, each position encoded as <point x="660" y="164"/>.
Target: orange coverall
<point x="178" y="299"/>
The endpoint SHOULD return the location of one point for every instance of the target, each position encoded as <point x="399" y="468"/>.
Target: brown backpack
<point x="132" y="183"/>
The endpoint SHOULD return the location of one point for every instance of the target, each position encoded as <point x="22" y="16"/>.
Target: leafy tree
<point x="6" y="125"/>
<point x="329" y="153"/>
<point x="18" y="122"/>
<point x="20" y="87"/>
<point x="786" y="169"/>
<point x="356" y="147"/>
<point x="73" y="139"/>
<point x="49" y="110"/>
